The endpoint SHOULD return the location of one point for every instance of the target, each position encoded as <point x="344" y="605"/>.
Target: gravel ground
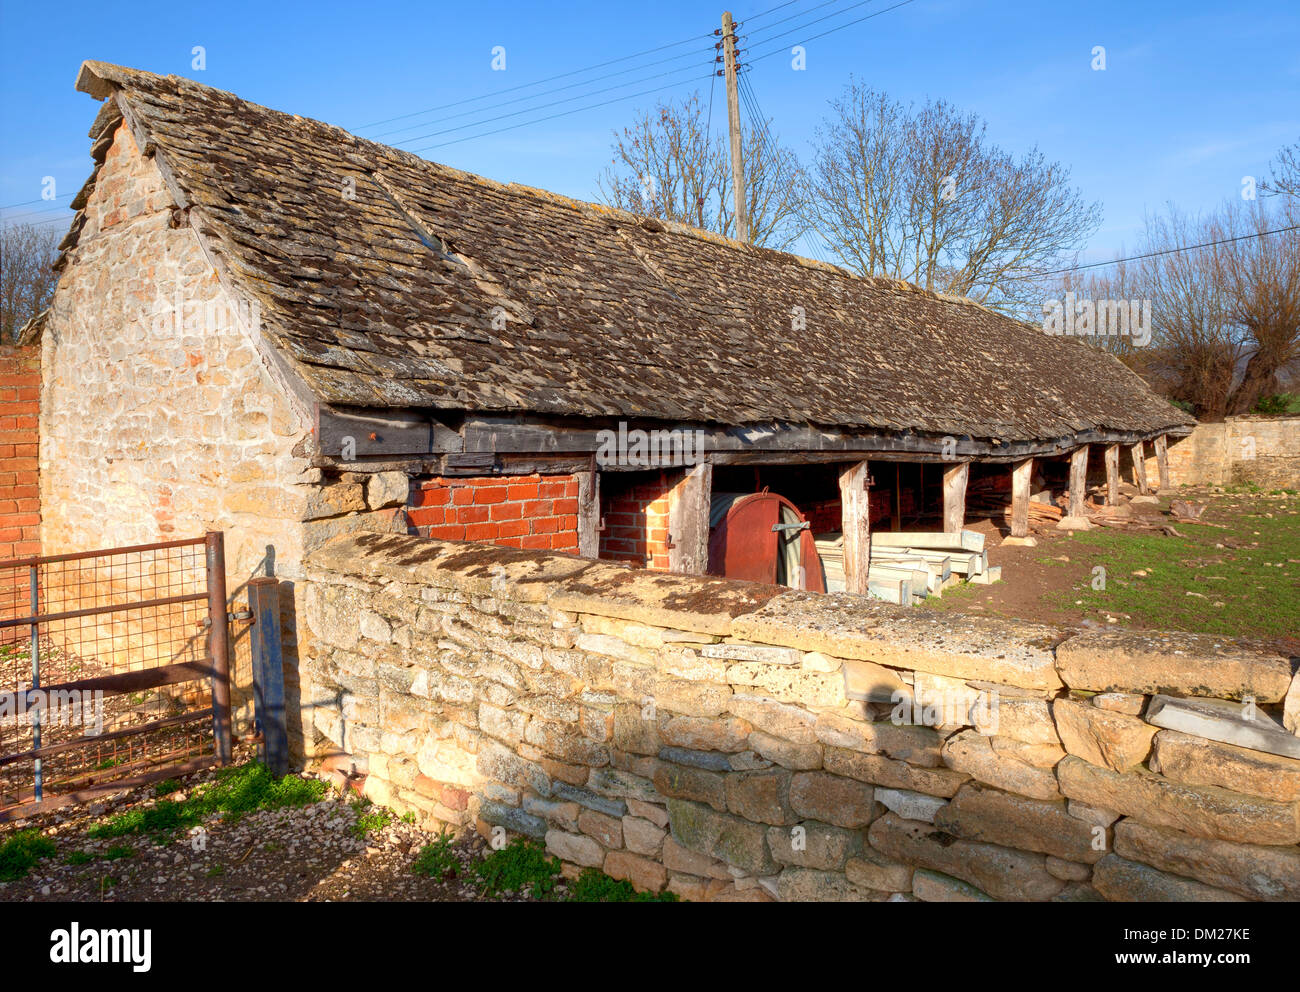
<point x="307" y="854"/>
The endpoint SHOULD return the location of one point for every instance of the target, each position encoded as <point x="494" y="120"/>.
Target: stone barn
<point x="268" y="326"/>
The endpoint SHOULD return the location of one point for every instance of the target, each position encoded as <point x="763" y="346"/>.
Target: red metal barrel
<point x="762" y="537"/>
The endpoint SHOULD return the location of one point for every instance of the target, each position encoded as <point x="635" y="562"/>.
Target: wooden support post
<point x="1078" y="480"/>
<point x="1112" y="475"/>
<point x="954" y="496"/>
<point x="896" y="515"/>
<point x="1162" y="460"/>
<point x="268" y="673"/>
<point x="855" y="523"/>
<point x="688" y="521"/>
<point x="1138" y="451"/>
<point x="589" y="514"/>
<point x="1020" y="476"/>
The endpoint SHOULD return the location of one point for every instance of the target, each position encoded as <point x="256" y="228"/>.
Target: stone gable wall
<point x="159" y="419"/>
<point x="726" y="740"/>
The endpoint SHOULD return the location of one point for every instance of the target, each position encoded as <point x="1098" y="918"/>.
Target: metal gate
<point x="114" y="670"/>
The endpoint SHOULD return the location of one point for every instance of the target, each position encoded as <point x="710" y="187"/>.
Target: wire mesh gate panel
<point x="114" y="670"/>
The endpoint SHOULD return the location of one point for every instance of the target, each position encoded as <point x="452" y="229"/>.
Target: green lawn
<point x="1252" y="588"/>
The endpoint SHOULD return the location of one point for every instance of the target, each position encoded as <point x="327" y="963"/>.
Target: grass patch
<point x="79" y="858"/>
<point x="594" y="885"/>
<point x="1256" y="580"/>
<point x="234" y="793"/>
<point x="20" y="853"/>
<point x="437" y="860"/>
<point x="369" y="819"/>
<point x="118" y="851"/>
<point x="522" y="865"/>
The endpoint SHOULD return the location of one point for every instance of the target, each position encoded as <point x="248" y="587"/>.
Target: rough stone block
<point x="1205" y="811"/>
<point x="736" y="841"/>
<point x="1102" y="737"/>
<point x="1173" y="663"/>
<point x="1120" y="880"/>
<point x="845" y="802"/>
<point x="1001" y="872"/>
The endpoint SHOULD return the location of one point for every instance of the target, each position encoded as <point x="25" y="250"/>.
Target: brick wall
<point x="521" y="511"/>
<point x="634" y="509"/>
<point x="20" y="496"/>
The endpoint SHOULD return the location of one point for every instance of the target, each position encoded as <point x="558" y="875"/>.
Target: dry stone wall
<point x="726" y="740"/>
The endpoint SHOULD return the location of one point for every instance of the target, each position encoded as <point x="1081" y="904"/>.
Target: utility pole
<point x="733" y="125"/>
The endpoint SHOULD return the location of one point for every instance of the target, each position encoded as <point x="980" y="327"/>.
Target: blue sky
<point x="1195" y="95"/>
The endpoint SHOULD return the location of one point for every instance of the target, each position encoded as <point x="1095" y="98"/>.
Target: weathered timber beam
<point x="688" y="521"/>
<point x="855" y="524"/>
<point x="1078" y="480"/>
<point x="954" y="496"/>
<point x="1020" y="476"/>
<point x="1162" y="460"/>
<point x="589" y="513"/>
<point x="1112" y="475"/>
<point x="1138" y="452"/>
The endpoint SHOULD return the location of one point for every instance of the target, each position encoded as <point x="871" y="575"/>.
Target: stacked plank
<point x="909" y="566"/>
<point x="1039" y="509"/>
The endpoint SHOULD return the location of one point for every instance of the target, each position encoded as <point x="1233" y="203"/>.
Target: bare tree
<point x="1285" y="178"/>
<point x="1197" y="345"/>
<point x="27" y="277"/>
<point x="668" y="165"/>
<point x="1260" y="276"/>
<point x="920" y="194"/>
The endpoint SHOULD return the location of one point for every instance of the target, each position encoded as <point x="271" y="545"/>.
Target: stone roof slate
<point x="389" y="281"/>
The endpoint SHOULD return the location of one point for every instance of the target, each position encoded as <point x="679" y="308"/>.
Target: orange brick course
<point x="515" y="511"/>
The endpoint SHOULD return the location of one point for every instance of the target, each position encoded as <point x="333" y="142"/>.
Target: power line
<point x="544" y="106"/>
<point x="535" y="82"/>
<point x="37" y="213"/>
<point x="1171" y="251"/>
<point x="791" y="17"/>
<point x="28" y="203"/>
<point x="764" y="13"/>
<point x="557" y="89"/>
<point x="841" y="27"/>
<point x="539" y="120"/>
<point x="816" y="20"/>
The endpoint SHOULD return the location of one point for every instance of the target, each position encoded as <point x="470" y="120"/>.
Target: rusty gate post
<point x="219" y="643"/>
<point x="268" y="673"/>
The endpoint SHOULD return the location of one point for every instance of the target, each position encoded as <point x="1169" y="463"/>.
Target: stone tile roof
<point x="393" y="282"/>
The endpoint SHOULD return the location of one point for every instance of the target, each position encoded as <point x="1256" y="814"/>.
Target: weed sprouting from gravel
<point x="19" y="854"/>
<point x="235" y="792"/>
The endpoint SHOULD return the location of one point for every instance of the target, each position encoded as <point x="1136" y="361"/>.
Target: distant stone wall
<point x="727" y="740"/>
<point x="1254" y="449"/>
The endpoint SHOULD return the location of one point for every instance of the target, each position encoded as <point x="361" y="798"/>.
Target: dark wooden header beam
<point x="346" y="435"/>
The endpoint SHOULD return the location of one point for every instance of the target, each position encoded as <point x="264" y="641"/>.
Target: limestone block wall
<point x="1250" y="449"/>
<point x="726" y="740"/>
